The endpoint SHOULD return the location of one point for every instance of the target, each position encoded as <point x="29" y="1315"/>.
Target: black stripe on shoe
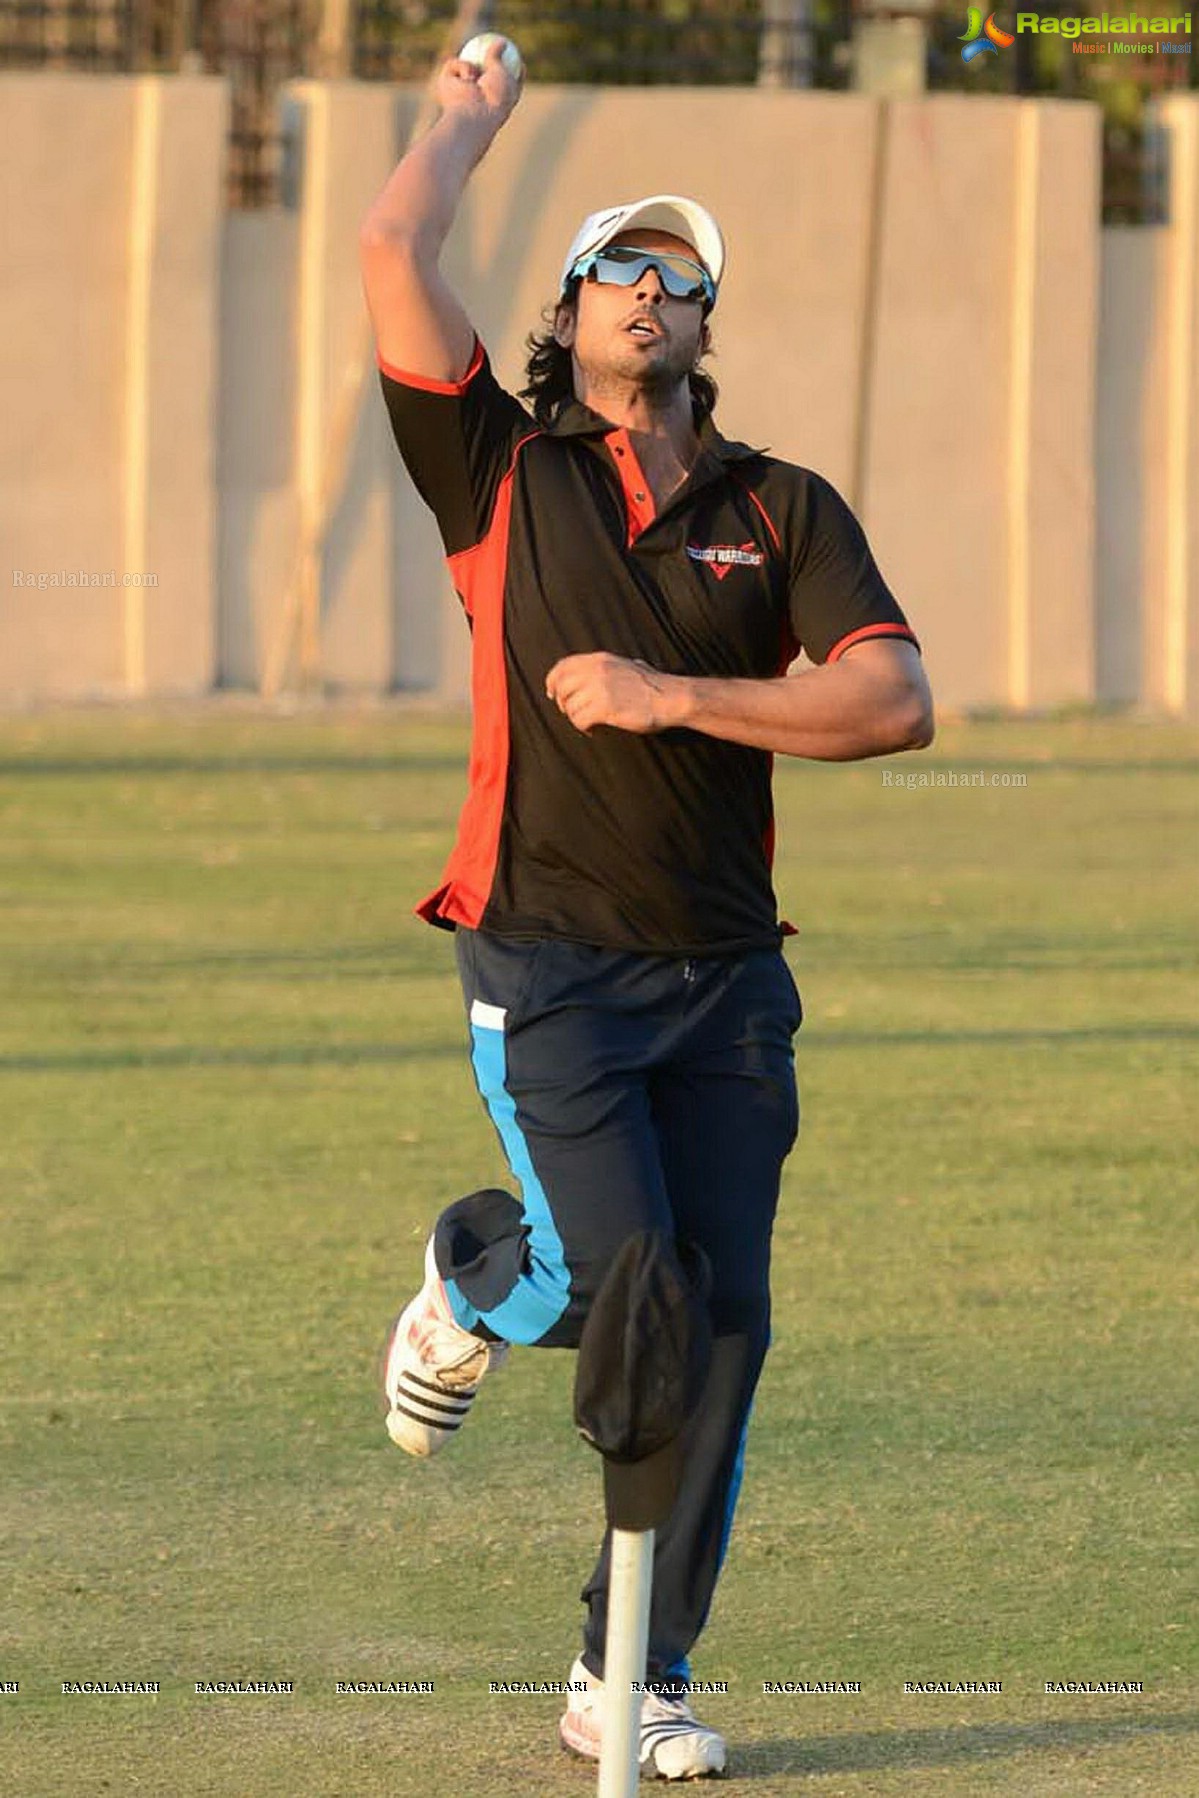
<point x="414" y="1379"/>
<point x="419" y="1407"/>
<point x="654" y="1734"/>
<point x="660" y="1730"/>
<point x="430" y="1423"/>
<point x="450" y="1406"/>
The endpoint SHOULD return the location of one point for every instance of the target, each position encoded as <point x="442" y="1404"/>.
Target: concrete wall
<point x="1172" y="601"/>
<point x="1147" y="445"/>
<point x="1051" y="476"/>
<point x="977" y="473"/>
<point x="1130" y="462"/>
<point x="257" y="504"/>
<point x="917" y="303"/>
<point x="62" y="331"/>
<point x="110" y="211"/>
<point x="345" y="133"/>
<point x="936" y="383"/>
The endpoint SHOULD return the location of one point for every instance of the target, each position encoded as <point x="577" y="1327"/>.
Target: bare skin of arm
<point x="875" y="700"/>
<point x="420" y="325"/>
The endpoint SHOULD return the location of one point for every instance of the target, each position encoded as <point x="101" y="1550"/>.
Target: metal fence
<point x="594" y="41"/>
<point x="259" y="44"/>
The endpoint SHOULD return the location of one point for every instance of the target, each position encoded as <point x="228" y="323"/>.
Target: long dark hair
<point x="549" y="373"/>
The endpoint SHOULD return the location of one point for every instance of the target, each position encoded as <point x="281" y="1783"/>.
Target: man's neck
<point x="665" y="429"/>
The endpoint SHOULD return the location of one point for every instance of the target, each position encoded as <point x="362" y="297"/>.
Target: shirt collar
<point x="577" y="420"/>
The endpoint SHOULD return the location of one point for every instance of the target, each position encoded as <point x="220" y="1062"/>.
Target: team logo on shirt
<point x="720" y="557"/>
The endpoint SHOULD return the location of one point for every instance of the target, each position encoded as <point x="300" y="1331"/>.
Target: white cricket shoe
<point x="674" y="1743"/>
<point x="433" y="1368"/>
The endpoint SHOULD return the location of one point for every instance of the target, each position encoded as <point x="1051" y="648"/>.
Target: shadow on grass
<point x="1084" y="1033"/>
<point x="186" y="1055"/>
<point x="899" y="1748"/>
<point x="390" y="958"/>
<point x="396" y="762"/>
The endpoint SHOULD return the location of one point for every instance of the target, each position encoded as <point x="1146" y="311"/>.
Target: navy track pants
<point x="631" y="1092"/>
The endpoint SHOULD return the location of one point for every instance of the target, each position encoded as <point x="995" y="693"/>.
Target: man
<point x="637" y="586"/>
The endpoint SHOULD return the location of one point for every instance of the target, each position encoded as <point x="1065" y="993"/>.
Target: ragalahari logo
<point x="1123" y="33"/>
<point x="986" y="36"/>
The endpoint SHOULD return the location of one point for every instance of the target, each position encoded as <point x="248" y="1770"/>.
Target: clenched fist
<point x="605" y="689"/>
<point x="488" y="93"/>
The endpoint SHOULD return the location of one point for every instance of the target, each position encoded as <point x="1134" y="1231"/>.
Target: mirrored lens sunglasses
<point x="621" y="267"/>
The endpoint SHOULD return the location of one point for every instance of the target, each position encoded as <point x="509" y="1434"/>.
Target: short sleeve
<point x="837" y="595"/>
<point x="457" y="439"/>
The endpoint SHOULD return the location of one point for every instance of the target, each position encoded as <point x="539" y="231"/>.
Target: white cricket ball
<point x="476" y="51"/>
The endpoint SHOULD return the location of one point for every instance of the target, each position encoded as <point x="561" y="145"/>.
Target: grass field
<point x="234" y="1094"/>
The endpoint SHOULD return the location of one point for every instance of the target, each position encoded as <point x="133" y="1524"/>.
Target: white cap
<point x="661" y="212"/>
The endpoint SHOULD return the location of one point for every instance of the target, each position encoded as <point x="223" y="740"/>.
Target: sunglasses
<point x="624" y="266"/>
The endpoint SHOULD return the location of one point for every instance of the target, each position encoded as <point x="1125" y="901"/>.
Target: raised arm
<point x="420" y="325"/>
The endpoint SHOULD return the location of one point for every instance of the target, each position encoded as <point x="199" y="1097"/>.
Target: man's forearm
<point x="874" y="701"/>
<point x="840" y="712"/>
<point x="418" y="204"/>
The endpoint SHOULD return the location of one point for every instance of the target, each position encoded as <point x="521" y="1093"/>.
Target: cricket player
<point x="637" y="586"/>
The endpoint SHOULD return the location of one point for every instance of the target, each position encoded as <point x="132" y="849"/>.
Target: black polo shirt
<point x="659" y="843"/>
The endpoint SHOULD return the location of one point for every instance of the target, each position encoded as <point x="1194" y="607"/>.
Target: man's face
<point x="637" y="333"/>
